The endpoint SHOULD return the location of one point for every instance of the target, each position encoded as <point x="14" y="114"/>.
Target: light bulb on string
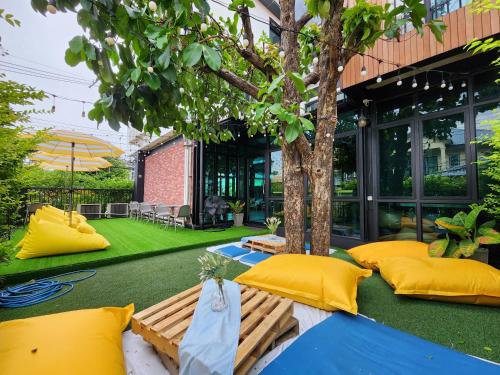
<point x="440" y="99"/>
<point x="51" y="7"/>
<point x="363" y="71"/>
<point x="450" y="86"/>
<point x="414" y="83"/>
<point x="338" y="89"/>
<point x="282" y="54"/>
<point x="83" y="109"/>
<point x="399" y="82"/>
<point x="315" y="59"/>
<point x="463" y="84"/>
<point x="340" y="67"/>
<point x="245" y="42"/>
<point x="443" y="82"/>
<point x="379" y="77"/>
<point x="426" y="86"/>
<point x="53" y="109"/>
<point x="152" y="6"/>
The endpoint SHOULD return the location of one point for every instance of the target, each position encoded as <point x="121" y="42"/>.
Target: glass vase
<point x="219" y="299"/>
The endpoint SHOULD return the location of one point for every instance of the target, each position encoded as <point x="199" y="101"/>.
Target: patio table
<point x="266" y="319"/>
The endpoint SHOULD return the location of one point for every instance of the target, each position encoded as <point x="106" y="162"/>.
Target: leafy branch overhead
<point x="172" y="64"/>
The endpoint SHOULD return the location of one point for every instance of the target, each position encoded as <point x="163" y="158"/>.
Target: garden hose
<point x="42" y="290"/>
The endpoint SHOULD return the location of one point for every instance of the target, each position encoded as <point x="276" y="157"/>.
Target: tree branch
<point x="302" y="21"/>
<point x="247" y="25"/>
<point x="236" y="81"/>
<point x="311" y="78"/>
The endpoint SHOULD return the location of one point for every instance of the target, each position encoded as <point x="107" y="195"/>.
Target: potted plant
<point x="237" y="209"/>
<point x="466" y="236"/>
<point x="272" y="223"/>
<point x="214" y="267"/>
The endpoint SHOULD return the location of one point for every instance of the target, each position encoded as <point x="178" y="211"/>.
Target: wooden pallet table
<point x="265" y="320"/>
<point x="265" y="245"/>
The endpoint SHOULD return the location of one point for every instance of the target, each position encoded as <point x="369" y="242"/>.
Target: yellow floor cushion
<point x="80" y="342"/>
<point x="444" y="279"/>
<point x="47" y="238"/>
<point x="370" y="254"/>
<point x="327" y="283"/>
<point x="84" y="227"/>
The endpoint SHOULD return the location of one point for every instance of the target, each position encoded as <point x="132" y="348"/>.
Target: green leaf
<point x="71" y="58"/>
<point x="438" y="247"/>
<point x="447" y="223"/>
<point x="90" y="51"/>
<point x="489" y="236"/>
<point x="298" y="81"/>
<point x="192" y="54"/>
<point x="470" y="219"/>
<point x="324" y="9"/>
<point x="452" y="250"/>
<point x="274" y="84"/>
<point x="76" y="44"/>
<point x="212" y="57"/>
<point x="169" y="74"/>
<point x="275" y="108"/>
<point x="130" y="90"/>
<point x="161" y="42"/>
<point x="153" y="81"/>
<point x="164" y="58"/>
<point x="306" y="124"/>
<point x="467" y="247"/>
<point x="136" y="74"/>
<point x="438" y="27"/>
<point x="292" y="132"/>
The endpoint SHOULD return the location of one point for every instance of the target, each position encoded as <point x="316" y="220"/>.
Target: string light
<point x="414" y="83"/>
<point x="440" y="99"/>
<point x="315" y="59"/>
<point x="399" y="82"/>
<point x="463" y="84"/>
<point x="282" y="53"/>
<point x="181" y="90"/>
<point x="426" y="86"/>
<point x="203" y="27"/>
<point x="245" y="43"/>
<point x="150" y="69"/>
<point x="450" y="86"/>
<point x="53" y="109"/>
<point x="443" y="82"/>
<point x="340" y="67"/>
<point x="363" y="69"/>
<point x="152" y="6"/>
<point x="83" y="109"/>
<point x="51" y="7"/>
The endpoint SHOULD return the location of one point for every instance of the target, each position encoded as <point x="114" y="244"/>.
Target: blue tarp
<point x="346" y="344"/>
<point x="254" y="258"/>
<point x="232" y="251"/>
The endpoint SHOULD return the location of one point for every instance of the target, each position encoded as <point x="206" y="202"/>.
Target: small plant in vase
<point x="272" y="223"/>
<point x="214" y="267"/>
<point x="237" y="209"/>
<point x="467" y="236"/>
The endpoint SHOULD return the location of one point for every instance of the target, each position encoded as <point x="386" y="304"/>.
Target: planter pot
<point x="238" y="219"/>
<point x="481" y="255"/>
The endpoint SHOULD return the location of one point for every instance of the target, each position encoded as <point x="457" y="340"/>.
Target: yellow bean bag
<point x="80" y="342"/>
<point x="84" y="227"/>
<point x="443" y="279"/>
<point x="371" y="254"/>
<point x="48" y="238"/>
<point x="327" y="283"/>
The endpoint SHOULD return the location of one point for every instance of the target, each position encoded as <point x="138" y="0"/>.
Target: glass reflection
<point x="397" y="221"/>
<point x="347" y="121"/>
<point x="433" y="100"/>
<point x="209" y="161"/>
<point x="445" y="162"/>
<point x="395" y="110"/>
<point x="430" y="212"/>
<point x="395" y="161"/>
<point x="276" y="174"/>
<point x="346" y="221"/>
<point x="345" y="179"/>
<point x="485" y="87"/>
<point x="485" y="115"/>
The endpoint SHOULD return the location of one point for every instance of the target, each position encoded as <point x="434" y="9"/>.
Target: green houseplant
<point x="272" y="223"/>
<point x="214" y="267"/>
<point x="237" y="209"/>
<point x="466" y="236"/>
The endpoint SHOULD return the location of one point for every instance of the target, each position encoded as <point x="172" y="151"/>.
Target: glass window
<point x="347" y="121"/>
<point x="432" y="101"/>
<point x="395" y="110"/>
<point x="276" y="208"/>
<point x="276" y="174"/>
<point x="345" y="179"/>
<point x="209" y="173"/>
<point x="274" y="32"/>
<point x="484" y="117"/>
<point x="395" y="161"/>
<point x="441" y="7"/>
<point x="397" y="221"/>
<point x="346" y="220"/>
<point x="430" y="212"/>
<point x="221" y="175"/>
<point x="485" y="87"/>
<point x="445" y="161"/>
<point x="232" y="173"/>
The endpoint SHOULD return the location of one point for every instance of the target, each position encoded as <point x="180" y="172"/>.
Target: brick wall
<point x="164" y="174"/>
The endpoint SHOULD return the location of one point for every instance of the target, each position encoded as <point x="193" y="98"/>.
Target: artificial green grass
<point x="467" y="328"/>
<point x="130" y="239"/>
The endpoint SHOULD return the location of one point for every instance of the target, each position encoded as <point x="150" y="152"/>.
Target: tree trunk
<point x="293" y="174"/>
<point x="320" y="171"/>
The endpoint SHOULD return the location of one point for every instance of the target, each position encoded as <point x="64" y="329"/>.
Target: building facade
<point x="413" y="161"/>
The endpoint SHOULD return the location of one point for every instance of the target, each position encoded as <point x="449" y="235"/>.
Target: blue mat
<point x="232" y="251"/>
<point x="346" y="344"/>
<point x="254" y="258"/>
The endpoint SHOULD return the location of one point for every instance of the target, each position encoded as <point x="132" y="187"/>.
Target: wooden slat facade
<point x="462" y="27"/>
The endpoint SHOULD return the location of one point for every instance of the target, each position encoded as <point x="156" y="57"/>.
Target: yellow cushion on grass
<point x="83" y="227"/>
<point x="327" y="283"/>
<point x="444" y="279"/>
<point x="370" y="254"/>
<point x="47" y="238"/>
<point x="80" y="342"/>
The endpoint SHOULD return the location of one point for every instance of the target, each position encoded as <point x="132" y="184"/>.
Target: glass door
<point x="256" y="203"/>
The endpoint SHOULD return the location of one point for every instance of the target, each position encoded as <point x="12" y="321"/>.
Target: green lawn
<point x="467" y="328"/>
<point x="130" y="239"/>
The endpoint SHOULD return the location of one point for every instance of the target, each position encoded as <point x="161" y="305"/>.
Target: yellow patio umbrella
<point x="75" y="144"/>
<point x="54" y="167"/>
<point x="81" y="164"/>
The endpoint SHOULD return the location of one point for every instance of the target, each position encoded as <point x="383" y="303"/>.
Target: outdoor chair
<point x="133" y="209"/>
<point x="182" y="215"/>
<point x="163" y="213"/>
<point x="146" y="211"/>
<point x="31" y="209"/>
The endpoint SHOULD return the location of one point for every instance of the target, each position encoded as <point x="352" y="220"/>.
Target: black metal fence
<point x="59" y="197"/>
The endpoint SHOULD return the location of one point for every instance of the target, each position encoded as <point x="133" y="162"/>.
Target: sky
<point x="40" y="43"/>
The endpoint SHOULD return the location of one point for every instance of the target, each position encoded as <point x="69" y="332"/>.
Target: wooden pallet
<point x="261" y="244"/>
<point x="265" y="318"/>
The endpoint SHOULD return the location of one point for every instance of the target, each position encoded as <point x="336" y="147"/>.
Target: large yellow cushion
<point x="76" y="342"/>
<point x="370" y="254"/>
<point x="84" y="227"/>
<point x="47" y="238"/>
<point x="327" y="283"/>
<point x="444" y="279"/>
